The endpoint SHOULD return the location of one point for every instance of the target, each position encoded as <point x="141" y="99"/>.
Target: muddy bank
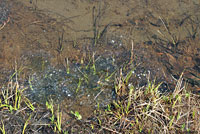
<point x="42" y="40"/>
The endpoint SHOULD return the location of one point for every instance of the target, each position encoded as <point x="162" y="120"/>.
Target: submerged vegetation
<point x="142" y="110"/>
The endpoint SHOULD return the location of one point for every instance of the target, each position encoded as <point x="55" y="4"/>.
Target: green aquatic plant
<point x="13" y="96"/>
<point x="58" y="121"/>
<point x="85" y="75"/>
<point x="77" y="115"/>
<point x="108" y="77"/>
<point x="30" y="83"/>
<point x="79" y="85"/>
<point x="3" y="131"/>
<point x="128" y="76"/>
<point x="152" y="89"/>
<point x="26" y="124"/>
<point x="49" y="105"/>
<point x="131" y="89"/>
<point x="29" y="103"/>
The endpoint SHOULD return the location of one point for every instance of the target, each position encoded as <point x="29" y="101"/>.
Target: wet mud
<point x="159" y="38"/>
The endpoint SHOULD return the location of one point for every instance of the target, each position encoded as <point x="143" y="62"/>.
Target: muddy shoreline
<point x="40" y="36"/>
<point x="78" y="53"/>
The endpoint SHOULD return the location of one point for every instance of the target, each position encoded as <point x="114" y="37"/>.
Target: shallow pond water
<point x="59" y="42"/>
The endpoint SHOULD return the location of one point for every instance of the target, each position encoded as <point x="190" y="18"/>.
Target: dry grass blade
<point x="178" y="87"/>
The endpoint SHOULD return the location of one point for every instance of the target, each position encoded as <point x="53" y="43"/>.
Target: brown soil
<point x="165" y="34"/>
